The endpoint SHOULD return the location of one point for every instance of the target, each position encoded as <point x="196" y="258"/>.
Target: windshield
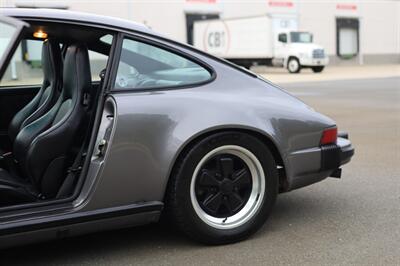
<point x="6" y="34"/>
<point x="301" y="37"/>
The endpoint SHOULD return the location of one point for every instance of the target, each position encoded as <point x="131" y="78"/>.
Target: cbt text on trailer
<point x="264" y="40"/>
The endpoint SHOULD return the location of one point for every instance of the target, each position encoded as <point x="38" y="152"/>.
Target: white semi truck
<point x="264" y="40"/>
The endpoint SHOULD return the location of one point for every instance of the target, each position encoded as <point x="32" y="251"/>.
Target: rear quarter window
<point x="144" y="66"/>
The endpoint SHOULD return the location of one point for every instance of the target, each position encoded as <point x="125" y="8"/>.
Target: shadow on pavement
<point x="152" y="239"/>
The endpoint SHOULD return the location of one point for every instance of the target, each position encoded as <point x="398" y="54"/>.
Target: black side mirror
<point x="282" y="38"/>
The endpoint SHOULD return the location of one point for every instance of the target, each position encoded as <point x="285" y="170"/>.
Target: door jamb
<point x="61" y="205"/>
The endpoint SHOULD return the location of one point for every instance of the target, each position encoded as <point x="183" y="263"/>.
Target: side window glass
<point x="98" y="62"/>
<point x="144" y="66"/>
<point x="282" y="37"/>
<point x="25" y="67"/>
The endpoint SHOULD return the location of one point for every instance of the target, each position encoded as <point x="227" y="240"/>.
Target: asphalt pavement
<point x="330" y="73"/>
<point x="353" y="220"/>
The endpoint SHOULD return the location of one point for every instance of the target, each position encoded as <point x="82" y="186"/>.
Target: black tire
<point x="179" y="205"/>
<point x="317" y="69"/>
<point x="293" y="61"/>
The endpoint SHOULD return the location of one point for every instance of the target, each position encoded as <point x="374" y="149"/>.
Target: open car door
<point x="11" y="31"/>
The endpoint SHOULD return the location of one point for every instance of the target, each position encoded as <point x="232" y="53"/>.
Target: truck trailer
<point x="272" y="40"/>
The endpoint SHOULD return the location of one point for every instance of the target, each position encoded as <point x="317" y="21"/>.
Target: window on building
<point x="145" y="66"/>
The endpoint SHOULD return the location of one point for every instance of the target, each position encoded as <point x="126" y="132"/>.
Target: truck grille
<point x="318" y="53"/>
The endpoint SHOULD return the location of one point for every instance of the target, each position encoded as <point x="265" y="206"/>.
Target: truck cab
<point x="295" y="50"/>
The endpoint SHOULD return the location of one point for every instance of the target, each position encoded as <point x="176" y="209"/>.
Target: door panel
<point x="12" y="99"/>
<point x="99" y="158"/>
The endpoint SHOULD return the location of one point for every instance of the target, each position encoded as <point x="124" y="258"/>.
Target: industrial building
<point x="352" y="32"/>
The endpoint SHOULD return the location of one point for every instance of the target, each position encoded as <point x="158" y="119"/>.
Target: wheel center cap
<point x="226" y="186"/>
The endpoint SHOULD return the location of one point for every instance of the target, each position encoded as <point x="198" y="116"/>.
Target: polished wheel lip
<point x="255" y="200"/>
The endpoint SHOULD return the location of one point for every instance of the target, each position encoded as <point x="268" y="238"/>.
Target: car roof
<point x="73" y="16"/>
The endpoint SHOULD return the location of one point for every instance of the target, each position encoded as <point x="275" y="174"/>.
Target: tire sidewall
<point x="317" y="69"/>
<point x="197" y="227"/>
<point x="298" y="63"/>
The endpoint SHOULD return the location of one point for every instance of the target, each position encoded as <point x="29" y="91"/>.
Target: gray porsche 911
<point x="107" y="124"/>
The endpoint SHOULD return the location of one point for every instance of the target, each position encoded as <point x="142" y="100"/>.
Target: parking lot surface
<point x="353" y="220"/>
<point x="331" y="73"/>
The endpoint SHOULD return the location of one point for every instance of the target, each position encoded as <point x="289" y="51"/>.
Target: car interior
<point x="45" y="129"/>
<point x="144" y="66"/>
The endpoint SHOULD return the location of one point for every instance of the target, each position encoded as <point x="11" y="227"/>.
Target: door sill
<point x="78" y="217"/>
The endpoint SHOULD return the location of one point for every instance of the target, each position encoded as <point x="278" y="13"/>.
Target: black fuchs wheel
<point x="223" y="189"/>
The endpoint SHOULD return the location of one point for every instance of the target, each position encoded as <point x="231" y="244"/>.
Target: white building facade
<point x="352" y="32"/>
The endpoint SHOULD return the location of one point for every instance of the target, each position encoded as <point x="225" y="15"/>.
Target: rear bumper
<point x="313" y="165"/>
<point x="335" y="155"/>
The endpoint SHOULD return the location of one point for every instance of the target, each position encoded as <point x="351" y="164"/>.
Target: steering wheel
<point x="133" y="80"/>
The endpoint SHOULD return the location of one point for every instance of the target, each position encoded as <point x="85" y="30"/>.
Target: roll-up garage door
<point x="347" y="37"/>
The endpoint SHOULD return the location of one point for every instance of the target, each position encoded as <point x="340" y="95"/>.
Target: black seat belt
<point x="73" y="171"/>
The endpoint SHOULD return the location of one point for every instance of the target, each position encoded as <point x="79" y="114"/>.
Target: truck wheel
<point x="223" y="189"/>
<point x="293" y="65"/>
<point x="317" y="69"/>
<point x="247" y="66"/>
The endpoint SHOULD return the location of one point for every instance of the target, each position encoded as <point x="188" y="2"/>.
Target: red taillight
<point x="329" y="136"/>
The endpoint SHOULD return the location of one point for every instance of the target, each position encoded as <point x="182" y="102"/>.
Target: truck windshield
<point x="6" y="33"/>
<point x="301" y="37"/>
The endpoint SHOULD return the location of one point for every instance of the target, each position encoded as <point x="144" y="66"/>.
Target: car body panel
<point x="151" y="128"/>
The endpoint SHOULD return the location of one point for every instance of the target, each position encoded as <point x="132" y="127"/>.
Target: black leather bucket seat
<point x="42" y="148"/>
<point x="48" y="93"/>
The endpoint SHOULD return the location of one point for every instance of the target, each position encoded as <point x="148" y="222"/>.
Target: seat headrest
<point x="77" y="75"/>
<point x="51" y="62"/>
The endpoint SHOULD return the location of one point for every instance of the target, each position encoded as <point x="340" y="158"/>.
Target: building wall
<point x="163" y="16"/>
<point x="379" y="20"/>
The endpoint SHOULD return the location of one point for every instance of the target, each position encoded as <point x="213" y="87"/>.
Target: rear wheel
<point x="293" y="65"/>
<point x="223" y="189"/>
<point x="317" y="69"/>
